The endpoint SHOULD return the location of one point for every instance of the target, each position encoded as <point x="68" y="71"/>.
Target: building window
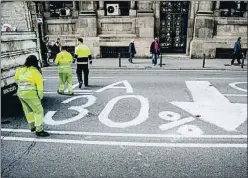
<point x="117" y="8"/>
<point x="232" y="8"/>
<point x="61" y="8"/>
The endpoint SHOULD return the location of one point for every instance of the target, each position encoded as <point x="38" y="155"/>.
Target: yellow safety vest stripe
<point x="82" y="51"/>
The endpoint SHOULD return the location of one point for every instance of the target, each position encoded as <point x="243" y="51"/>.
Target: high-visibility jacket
<point x="83" y="54"/>
<point x="64" y="60"/>
<point x="30" y="83"/>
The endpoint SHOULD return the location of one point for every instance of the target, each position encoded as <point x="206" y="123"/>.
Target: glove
<point x="90" y="62"/>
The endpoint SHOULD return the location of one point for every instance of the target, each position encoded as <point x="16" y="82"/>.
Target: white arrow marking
<point x="213" y="106"/>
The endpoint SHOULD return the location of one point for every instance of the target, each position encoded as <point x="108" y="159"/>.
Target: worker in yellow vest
<point x="30" y="93"/>
<point x="83" y="56"/>
<point x="64" y="60"/>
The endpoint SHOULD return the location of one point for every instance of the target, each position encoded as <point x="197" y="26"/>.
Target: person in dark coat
<point x="155" y="51"/>
<point x="56" y="49"/>
<point x="237" y="51"/>
<point x="131" y="51"/>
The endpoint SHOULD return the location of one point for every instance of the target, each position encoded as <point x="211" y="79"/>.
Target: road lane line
<point x="128" y="134"/>
<point x="73" y="87"/>
<point x="219" y="78"/>
<point x="46" y="78"/>
<point x="138" y="144"/>
<point x="234" y="95"/>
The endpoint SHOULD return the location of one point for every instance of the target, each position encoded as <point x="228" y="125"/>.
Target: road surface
<point x="133" y="123"/>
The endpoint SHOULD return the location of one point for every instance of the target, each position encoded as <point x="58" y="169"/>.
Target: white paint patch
<point x="137" y="144"/>
<point x="82" y="112"/>
<point x="213" y="107"/>
<point x="127" y="85"/>
<point x="129" y="134"/>
<point x="189" y="130"/>
<point x="143" y="114"/>
<point x="234" y="85"/>
<point x="176" y="123"/>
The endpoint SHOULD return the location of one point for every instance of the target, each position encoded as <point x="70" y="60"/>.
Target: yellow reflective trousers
<point x="30" y="93"/>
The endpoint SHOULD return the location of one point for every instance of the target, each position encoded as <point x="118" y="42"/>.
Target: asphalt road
<point x="153" y="124"/>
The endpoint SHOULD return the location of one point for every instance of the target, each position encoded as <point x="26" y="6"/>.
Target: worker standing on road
<point x="83" y="55"/>
<point x="64" y="60"/>
<point x="30" y="93"/>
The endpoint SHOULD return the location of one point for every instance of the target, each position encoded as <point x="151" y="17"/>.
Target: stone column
<point x="75" y="9"/>
<point x="101" y="5"/>
<point x="217" y="8"/>
<point x="47" y="6"/>
<point x="203" y="32"/>
<point x="100" y="12"/>
<point x="132" y="4"/>
<point x="132" y="11"/>
<point x="145" y="6"/>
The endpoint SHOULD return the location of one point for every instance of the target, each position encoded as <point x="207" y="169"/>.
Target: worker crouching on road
<point x="30" y="93"/>
<point x="82" y="55"/>
<point x="64" y="60"/>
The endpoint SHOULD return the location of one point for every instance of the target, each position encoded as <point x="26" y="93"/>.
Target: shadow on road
<point x="11" y="107"/>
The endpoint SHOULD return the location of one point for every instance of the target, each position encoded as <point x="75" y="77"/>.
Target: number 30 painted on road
<point x="82" y="112"/>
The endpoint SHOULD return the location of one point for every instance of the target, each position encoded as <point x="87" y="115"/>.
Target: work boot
<point x="80" y="84"/>
<point x="33" y="129"/>
<point x="71" y="93"/>
<point x="42" y="134"/>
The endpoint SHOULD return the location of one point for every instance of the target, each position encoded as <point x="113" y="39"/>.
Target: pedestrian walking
<point x="83" y="56"/>
<point x="44" y="51"/>
<point x="237" y="51"/>
<point x="56" y="48"/>
<point x="131" y="51"/>
<point x="30" y="93"/>
<point x="64" y="60"/>
<point x="155" y="51"/>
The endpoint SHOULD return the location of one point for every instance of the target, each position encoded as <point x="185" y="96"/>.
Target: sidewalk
<point x="168" y="64"/>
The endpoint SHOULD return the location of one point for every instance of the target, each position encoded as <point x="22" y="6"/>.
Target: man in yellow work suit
<point x="30" y="93"/>
<point x="64" y="60"/>
<point x="83" y="55"/>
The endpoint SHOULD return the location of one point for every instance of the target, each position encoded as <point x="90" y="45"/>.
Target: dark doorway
<point x="173" y="26"/>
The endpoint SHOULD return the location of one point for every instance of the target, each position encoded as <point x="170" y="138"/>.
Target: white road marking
<point x="127" y="85"/>
<point x="143" y="114"/>
<point x="234" y="95"/>
<point x="169" y="116"/>
<point x="238" y="88"/>
<point x="87" y="91"/>
<point x="82" y="112"/>
<point x="217" y="78"/>
<point x="173" y="124"/>
<point x="138" y="144"/>
<point x="45" y="78"/>
<point x="129" y="134"/>
<point x="213" y="107"/>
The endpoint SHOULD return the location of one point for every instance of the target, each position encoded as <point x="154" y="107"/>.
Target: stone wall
<point x="16" y="14"/>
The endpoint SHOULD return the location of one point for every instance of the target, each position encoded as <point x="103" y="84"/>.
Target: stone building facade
<point x="191" y="28"/>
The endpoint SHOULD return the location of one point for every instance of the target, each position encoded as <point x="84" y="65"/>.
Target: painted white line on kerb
<point x="138" y="144"/>
<point x="234" y="95"/>
<point x="129" y="134"/>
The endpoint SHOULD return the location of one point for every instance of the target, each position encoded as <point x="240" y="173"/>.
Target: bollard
<point x="204" y="57"/>
<point x="243" y="60"/>
<point x="119" y="55"/>
<point x="160" y="60"/>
